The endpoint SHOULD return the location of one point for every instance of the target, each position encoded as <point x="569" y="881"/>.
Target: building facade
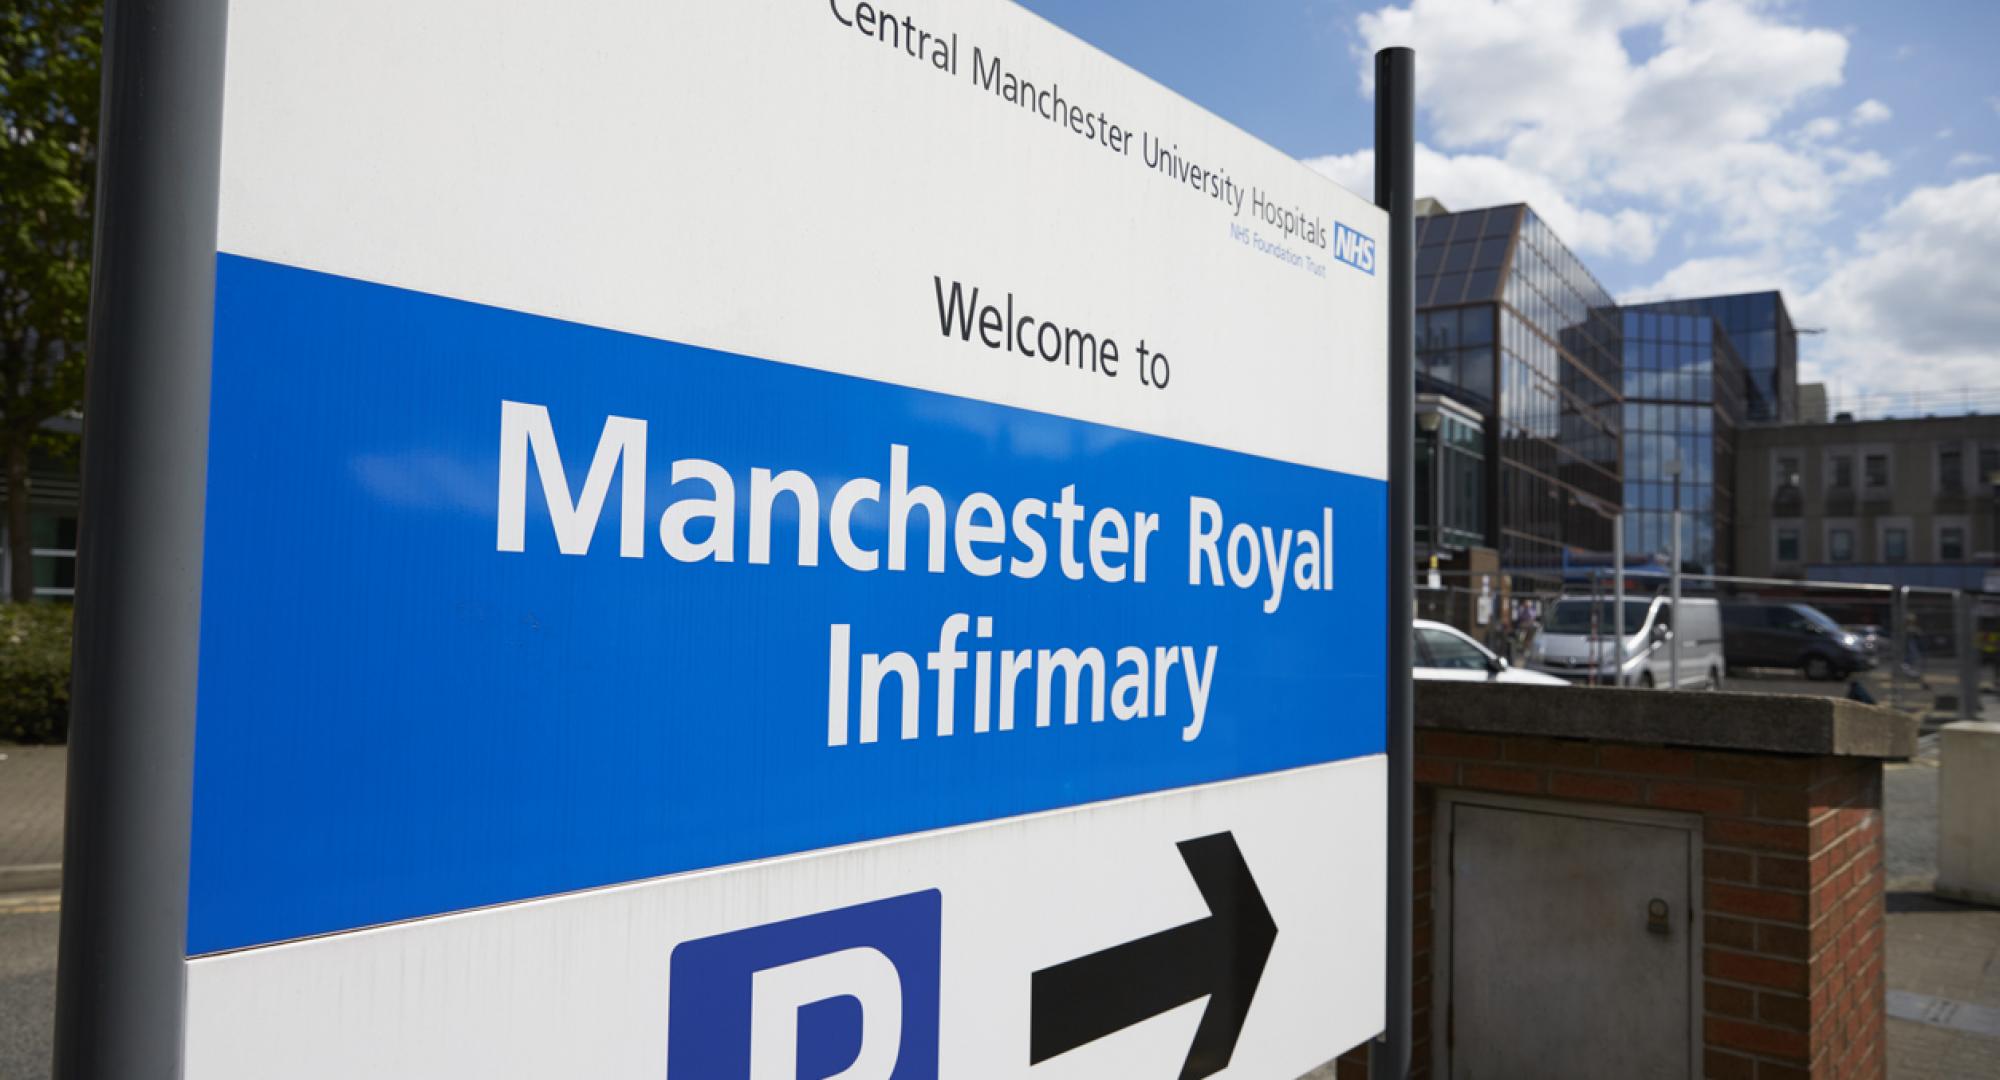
<point x="1545" y="409"/>
<point x="1910" y="502"/>
<point x="1684" y="401"/>
<point x="1760" y="327"/>
<point x="1450" y="467"/>
<point x="1513" y="330"/>
<point x="1812" y="404"/>
<point x="54" y="491"/>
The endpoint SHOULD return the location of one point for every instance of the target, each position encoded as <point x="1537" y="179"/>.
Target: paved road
<point x="27" y="983"/>
<point x="1910" y="695"/>
<point x="1943" y="963"/>
<point x="31" y="788"/>
<point x="31" y="795"/>
<point x="1909" y="815"/>
<point x="1943" y="970"/>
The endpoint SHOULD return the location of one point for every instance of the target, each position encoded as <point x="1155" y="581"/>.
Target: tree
<point x="49" y="75"/>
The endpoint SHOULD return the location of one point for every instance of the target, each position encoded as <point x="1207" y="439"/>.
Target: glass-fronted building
<point x="1684" y="399"/>
<point x="1513" y="327"/>
<point x="1567" y="408"/>
<point x="1450" y="467"/>
<point x="1761" y="329"/>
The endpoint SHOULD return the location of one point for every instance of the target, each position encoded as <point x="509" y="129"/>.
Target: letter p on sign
<point x="849" y="994"/>
<point x="779" y="995"/>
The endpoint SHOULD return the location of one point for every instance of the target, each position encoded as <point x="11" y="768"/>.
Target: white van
<point x="1578" y="638"/>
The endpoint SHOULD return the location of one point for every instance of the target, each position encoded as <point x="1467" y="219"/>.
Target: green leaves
<point x="34" y="672"/>
<point x="50" y="69"/>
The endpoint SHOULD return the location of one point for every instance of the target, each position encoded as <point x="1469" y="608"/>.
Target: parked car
<point x="1446" y="655"/>
<point x="1580" y="641"/>
<point x="1791" y="635"/>
<point x="1874" y="639"/>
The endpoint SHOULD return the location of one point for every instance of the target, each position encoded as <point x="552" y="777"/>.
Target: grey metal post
<point x="1618" y="592"/>
<point x="1674" y="595"/>
<point x="1966" y="632"/>
<point x="1596" y="651"/>
<point x="1395" y="191"/>
<point x="1899" y="641"/>
<point x="122" y="960"/>
<point x="1437" y="494"/>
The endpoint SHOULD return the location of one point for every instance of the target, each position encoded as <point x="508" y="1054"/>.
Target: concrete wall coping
<point x="1974" y="727"/>
<point x="1771" y="724"/>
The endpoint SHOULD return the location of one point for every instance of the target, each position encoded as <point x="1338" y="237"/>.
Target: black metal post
<point x="1395" y="191"/>
<point x="1437" y="487"/>
<point x="122" y="960"/>
<point x="1993" y="542"/>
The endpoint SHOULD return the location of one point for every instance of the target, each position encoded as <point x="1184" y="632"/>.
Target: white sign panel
<point x="585" y="984"/>
<point x="778" y="539"/>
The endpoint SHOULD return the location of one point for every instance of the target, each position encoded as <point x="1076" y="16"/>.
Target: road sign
<point x="770" y="539"/>
<point x="1219" y="957"/>
<point x="612" y="982"/>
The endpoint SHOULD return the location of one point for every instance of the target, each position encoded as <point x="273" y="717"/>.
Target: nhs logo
<point x="850" y="994"/>
<point x="1353" y="248"/>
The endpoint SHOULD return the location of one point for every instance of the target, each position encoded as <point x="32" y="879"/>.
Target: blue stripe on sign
<point x="398" y="719"/>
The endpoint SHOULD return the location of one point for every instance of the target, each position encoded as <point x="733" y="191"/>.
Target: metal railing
<point x="1927" y="651"/>
<point x="1909" y="404"/>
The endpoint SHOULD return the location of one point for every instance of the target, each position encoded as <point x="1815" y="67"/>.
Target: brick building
<point x="1908" y="502"/>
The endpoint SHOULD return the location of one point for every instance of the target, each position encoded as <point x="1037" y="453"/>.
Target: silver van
<point x="1578" y="640"/>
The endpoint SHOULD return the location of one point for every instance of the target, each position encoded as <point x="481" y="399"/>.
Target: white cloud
<point x="1752" y="271"/>
<point x="1855" y="166"/>
<point x="1916" y="303"/>
<point x="1463" y="181"/>
<point x="1549" y="88"/>
<point x="1912" y="304"/>
<point x="1703" y="145"/>
<point x="1871" y="112"/>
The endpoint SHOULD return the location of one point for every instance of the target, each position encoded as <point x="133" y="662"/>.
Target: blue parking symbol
<point x="850" y="993"/>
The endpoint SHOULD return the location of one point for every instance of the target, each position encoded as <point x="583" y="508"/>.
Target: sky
<point x="1846" y="152"/>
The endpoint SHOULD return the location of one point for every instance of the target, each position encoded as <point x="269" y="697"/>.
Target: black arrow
<point x="1220" y="957"/>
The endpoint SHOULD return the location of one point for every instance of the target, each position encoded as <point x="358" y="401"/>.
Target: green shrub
<point x="34" y="672"/>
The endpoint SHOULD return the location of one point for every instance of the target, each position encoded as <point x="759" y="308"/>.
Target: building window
<point x="1875" y="470"/>
<point x="1843" y="471"/>
<point x="1840" y="545"/>
<point x="1788" y="543"/>
<point x="1951" y="543"/>
<point x="1460" y="473"/>
<point x="1895" y="544"/>
<point x="1989" y="466"/>
<point x="53" y="537"/>
<point x="1788" y="472"/>
<point x="1951" y="468"/>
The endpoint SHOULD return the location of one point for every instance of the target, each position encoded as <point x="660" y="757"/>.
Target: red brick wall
<point x="1792" y="938"/>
